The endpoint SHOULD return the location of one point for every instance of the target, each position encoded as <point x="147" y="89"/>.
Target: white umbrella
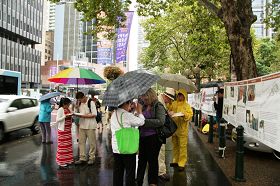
<point x="177" y="81"/>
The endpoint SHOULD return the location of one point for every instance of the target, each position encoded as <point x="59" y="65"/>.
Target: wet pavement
<point x="25" y="161"/>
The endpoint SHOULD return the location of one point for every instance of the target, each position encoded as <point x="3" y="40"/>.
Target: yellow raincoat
<point x="180" y="137"/>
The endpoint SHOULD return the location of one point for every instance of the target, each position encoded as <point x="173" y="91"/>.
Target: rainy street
<point x="25" y="161"/>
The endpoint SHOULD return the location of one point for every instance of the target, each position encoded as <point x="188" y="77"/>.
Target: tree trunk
<point x="237" y="16"/>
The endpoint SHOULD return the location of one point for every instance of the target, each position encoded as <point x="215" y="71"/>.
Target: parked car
<point x="253" y="144"/>
<point x="18" y="112"/>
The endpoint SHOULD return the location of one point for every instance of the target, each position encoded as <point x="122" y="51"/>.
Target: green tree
<point x="267" y="56"/>
<point x="236" y="15"/>
<point x="273" y="15"/>
<point x="185" y="37"/>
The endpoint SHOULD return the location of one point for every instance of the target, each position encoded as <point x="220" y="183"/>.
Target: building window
<point x="13" y="21"/>
<point x="9" y="19"/>
<point x="16" y="22"/>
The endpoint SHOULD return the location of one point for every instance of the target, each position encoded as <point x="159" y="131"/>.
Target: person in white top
<point x="87" y="126"/>
<point x="124" y="162"/>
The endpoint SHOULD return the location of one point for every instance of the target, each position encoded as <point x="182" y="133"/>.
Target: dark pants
<point x="127" y="163"/>
<point x="149" y="148"/>
<point x="46" y="131"/>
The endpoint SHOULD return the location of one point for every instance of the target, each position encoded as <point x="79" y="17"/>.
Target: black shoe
<point x="164" y="177"/>
<point x="79" y="162"/>
<point x="181" y="169"/>
<point x="49" y="142"/>
<point x="173" y="164"/>
<point x="62" y="167"/>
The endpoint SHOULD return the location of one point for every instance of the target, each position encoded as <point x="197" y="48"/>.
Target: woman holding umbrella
<point x="45" y="116"/>
<point x="150" y="144"/>
<point x="45" y="120"/>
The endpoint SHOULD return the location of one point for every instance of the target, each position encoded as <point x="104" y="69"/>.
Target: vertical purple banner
<point x="122" y="38"/>
<point x="104" y="56"/>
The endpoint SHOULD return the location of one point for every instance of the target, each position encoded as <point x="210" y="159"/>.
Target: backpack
<point x="99" y="114"/>
<point x="168" y="129"/>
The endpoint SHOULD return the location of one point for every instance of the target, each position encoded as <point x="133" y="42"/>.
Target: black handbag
<point x="168" y="129"/>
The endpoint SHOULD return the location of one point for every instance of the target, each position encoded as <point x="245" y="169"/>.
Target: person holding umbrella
<point x="45" y="116"/>
<point x="45" y="120"/>
<point x="124" y="162"/>
<point x="150" y="144"/>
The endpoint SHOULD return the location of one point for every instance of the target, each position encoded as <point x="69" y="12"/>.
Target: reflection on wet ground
<point x="28" y="162"/>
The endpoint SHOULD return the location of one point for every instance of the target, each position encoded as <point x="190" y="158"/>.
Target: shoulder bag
<point x="127" y="138"/>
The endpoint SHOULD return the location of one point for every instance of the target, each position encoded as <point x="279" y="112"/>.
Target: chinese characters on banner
<point x="254" y="104"/>
<point x="122" y="38"/>
<point x="104" y="56"/>
<point x="207" y="103"/>
<point x="204" y="100"/>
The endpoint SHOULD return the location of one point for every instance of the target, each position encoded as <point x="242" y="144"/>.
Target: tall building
<point x="51" y="11"/>
<point x="70" y="42"/>
<point x="259" y="9"/>
<point x="20" y="30"/>
<point x="67" y="32"/>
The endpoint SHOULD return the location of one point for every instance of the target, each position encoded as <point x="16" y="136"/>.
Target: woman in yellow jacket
<point x="180" y="137"/>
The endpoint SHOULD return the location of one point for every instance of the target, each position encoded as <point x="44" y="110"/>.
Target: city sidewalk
<point x="31" y="163"/>
<point x="259" y="168"/>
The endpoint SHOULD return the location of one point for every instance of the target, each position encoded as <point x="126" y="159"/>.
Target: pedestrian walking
<point x="166" y="99"/>
<point x="87" y="126"/>
<point x="150" y="144"/>
<point x="124" y="162"/>
<point x="64" y="154"/>
<point x="45" y="120"/>
<point x="184" y="113"/>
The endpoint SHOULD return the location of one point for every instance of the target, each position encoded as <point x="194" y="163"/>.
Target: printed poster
<point x="254" y="104"/>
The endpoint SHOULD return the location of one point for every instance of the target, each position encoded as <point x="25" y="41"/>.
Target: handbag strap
<point x="120" y="123"/>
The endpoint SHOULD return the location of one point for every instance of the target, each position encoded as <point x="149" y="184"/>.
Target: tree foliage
<point x="273" y="14"/>
<point x="107" y="15"/>
<point x="267" y="52"/>
<point x="185" y="37"/>
<point x="236" y="15"/>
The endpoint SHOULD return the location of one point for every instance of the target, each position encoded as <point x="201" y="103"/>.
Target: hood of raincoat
<point x="184" y="92"/>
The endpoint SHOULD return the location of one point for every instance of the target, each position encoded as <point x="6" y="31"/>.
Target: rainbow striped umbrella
<point x="79" y="76"/>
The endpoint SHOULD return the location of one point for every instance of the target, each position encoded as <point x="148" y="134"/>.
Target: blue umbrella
<point x="49" y="96"/>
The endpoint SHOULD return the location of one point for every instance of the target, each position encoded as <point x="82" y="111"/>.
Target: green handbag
<point x="127" y="138"/>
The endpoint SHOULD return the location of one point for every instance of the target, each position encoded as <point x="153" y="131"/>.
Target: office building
<point x="259" y="9"/>
<point x="21" y="24"/>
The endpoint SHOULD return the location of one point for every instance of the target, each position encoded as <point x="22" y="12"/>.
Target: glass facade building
<point x="20" y="29"/>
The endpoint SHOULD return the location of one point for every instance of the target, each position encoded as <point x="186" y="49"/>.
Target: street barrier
<point x="239" y="163"/>
<point x="222" y="140"/>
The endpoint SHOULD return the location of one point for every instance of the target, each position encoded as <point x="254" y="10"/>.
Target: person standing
<point x="180" y="137"/>
<point x="64" y="154"/>
<point x="150" y="144"/>
<point x="218" y="105"/>
<point x="45" y="120"/>
<point x="166" y="99"/>
<point x="87" y="126"/>
<point x="124" y="162"/>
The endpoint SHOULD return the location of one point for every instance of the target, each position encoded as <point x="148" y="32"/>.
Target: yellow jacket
<point x="183" y="107"/>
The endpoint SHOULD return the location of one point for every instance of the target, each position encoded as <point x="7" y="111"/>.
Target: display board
<point x="254" y="104"/>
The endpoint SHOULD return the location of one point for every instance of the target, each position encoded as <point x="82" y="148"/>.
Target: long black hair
<point x="64" y="101"/>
